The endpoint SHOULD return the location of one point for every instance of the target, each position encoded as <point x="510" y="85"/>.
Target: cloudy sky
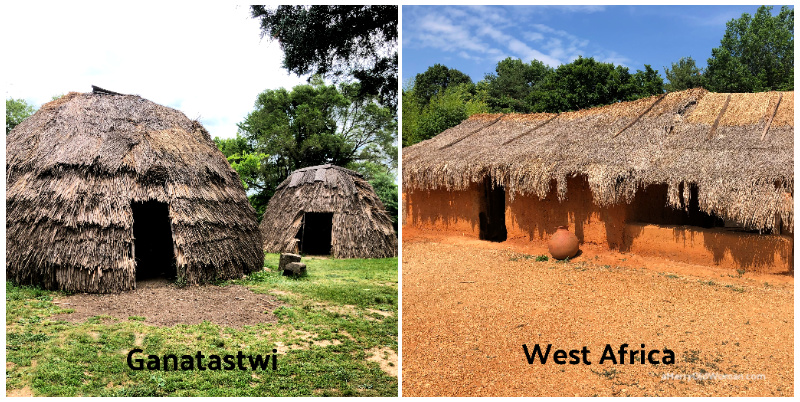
<point x="473" y="39"/>
<point x="206" y="60"/>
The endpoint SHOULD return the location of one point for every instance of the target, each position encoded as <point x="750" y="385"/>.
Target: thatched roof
<point x="361" y="227"/>
<point x="715" y="141"/>
<point x="75" y="167"/>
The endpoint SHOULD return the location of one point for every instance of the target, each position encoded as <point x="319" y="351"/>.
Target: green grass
<point x="338" y="302"/>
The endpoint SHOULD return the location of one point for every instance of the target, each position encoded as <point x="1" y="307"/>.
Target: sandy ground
<point x="470" y="305"/>
<point x="163" y="304"/>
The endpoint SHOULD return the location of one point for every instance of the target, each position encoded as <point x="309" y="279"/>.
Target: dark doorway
<point x="650" y="206"/>
<point x="315" y="233"/>
<point x="493" y="212"/>
<point x="152" y="244"/>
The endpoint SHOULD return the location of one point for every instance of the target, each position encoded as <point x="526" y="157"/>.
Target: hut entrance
<point x="152" y="244"/>
<point x="315" y="233"/>
<point x="493" y="212"/>
<point x="650" y="206"/>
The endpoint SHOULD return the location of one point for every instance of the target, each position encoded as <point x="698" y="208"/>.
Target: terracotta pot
<point x="563" y="244"/>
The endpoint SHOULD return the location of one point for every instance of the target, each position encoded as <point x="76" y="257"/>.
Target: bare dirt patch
<point x="470" y="305"/>
<point x="161" y="303"/>
<point x="26" y="391"/>
<point x="386" y="358"/>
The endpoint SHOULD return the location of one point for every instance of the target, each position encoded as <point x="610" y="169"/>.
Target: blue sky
<point x="473" y="39"/>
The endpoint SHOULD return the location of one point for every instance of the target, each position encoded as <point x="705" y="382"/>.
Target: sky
<point x="473" y="39"/>
<point x="206" y="60"/>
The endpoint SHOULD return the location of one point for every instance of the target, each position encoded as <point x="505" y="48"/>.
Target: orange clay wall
<point x="452" y="211"/>
<point x="618" y="227"/>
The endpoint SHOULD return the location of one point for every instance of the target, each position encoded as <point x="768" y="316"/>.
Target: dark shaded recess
<point x="492" y="214"/>
<point x="315" y="233"/>
<point x="650" y="206"/>
<point x="153" y="248"/>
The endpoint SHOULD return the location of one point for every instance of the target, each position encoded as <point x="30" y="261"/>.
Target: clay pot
<point x="563" y="244"/>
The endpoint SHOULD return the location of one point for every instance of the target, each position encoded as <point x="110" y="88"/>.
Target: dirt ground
<point x="470" y="305"/>
<point x="164" y="304"/>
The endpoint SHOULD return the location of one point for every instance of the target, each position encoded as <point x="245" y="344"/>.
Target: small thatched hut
<point x="694" y="176"/>
<point x="328" y="210"/>
<point x="103" y="188"/>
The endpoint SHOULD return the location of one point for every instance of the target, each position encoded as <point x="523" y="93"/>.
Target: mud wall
<point x="721" y="247"/>
<point x="455" y="211"/>
<point x="647" y="226"/>
<point x="530" y="218"/>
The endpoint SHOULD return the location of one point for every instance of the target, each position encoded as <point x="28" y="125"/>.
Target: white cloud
<point x="533" y="36"/>
<point x="207" y="61"/>
<point x="482" y="33"/>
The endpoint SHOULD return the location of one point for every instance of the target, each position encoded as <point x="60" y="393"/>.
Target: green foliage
<point x="17" y="110"/>
<point x="684" y="75"/>
<point x="313" y="124"/>
<point x="338" y="41"/>
<point x="435" y="80"/>
<point x="586" y="83"/>
<point x="512" y="88"/>
<point x="383" y="182"/>
<point x="756" y="54"/>
<point x="446" y="109"/>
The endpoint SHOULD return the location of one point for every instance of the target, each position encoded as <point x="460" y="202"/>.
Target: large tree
<point x="17" y="110"/>
<point x="338" y="41"/>
<point x="313" y="124"/>
<point x="435" y="80"/>
<point x="586" y="83"/>
<point x="684" y="75"/>
<point x="755" y="54"/>
<point x="510" y="88"/>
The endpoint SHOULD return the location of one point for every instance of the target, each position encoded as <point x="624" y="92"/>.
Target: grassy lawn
<point x="337" y="317"/>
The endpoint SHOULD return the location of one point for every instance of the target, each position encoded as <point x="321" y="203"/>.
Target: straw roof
<point x="361" y="227"/>
<point x="736" y="148"/>
<point x="75" y="167"/>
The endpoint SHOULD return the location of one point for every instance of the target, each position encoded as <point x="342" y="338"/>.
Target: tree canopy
<point x="311" y="124"/>
<point x="338" y="41"/>
<point x="586" y="83"/>
<point x="755" y="54"/>
<point x="442" y="97"/>
<point x="436" y="79"/>
<point x="17" y="110"/>
<point x="684" y="75"/>
<point x="512" y="86"/>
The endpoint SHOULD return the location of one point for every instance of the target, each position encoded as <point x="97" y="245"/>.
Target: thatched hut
<point x="103" y="188"/>
<point x="328" y="210"/>
<point x="695" y="176"/>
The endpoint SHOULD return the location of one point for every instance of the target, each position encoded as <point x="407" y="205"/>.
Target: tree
<point x="755" y="54"/>
<point x="338" y="42"/>
<point x="251" y="167"/>
<point x="446" y="109"/>
<point x="17" y="110"/>
<point x="684" y="75"/>
<point x="644" y="83"/>
<point x="586" y="83"/>
<point x="509" y="90"/>
<point x="436" y="79"/>
<point x="313" y="124"/>
<point x="412" y="109"/>
<point x="383" y="182"/>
